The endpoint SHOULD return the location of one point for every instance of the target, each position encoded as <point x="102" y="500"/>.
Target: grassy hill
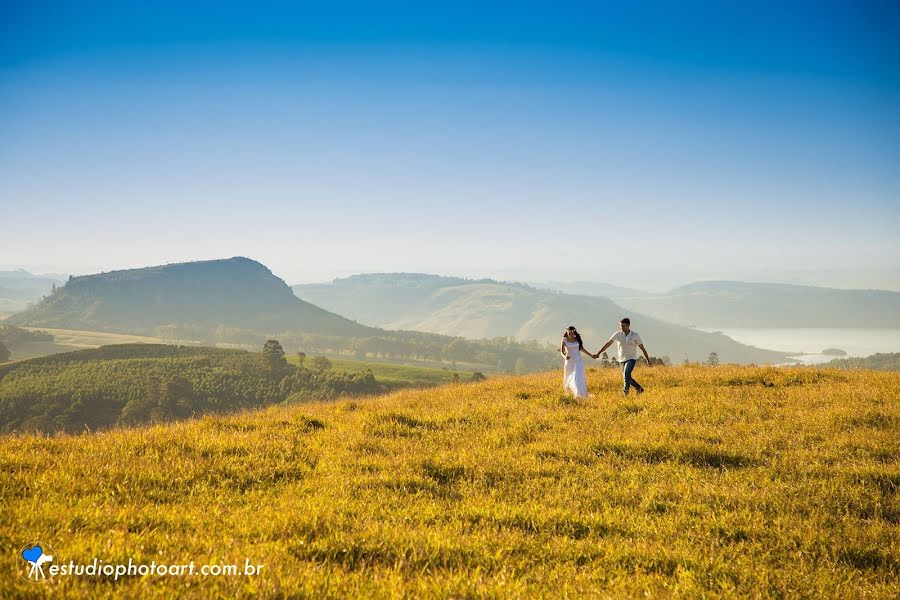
<point x="485" y="309"/>
<point x="412" y="375"/>
<point x="729" y="481"/>
<point x="733" y="304"/>
<point x="179" y="299"/>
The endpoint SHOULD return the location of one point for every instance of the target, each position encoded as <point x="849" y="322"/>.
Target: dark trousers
<point x="627" y="368"/>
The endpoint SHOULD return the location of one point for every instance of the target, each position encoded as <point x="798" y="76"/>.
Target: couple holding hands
<point x="628" y="342"/>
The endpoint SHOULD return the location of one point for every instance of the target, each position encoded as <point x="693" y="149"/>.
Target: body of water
<point x="806" y="345"/>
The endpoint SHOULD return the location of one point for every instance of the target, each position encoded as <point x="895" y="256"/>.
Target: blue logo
<point x="36" y="559"/>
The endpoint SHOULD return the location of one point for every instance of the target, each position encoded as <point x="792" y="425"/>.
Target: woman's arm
<point x="586" y="352"/>
<point x="562" y="348"/>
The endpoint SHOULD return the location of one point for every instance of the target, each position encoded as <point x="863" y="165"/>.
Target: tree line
<point x="501" y="354"/>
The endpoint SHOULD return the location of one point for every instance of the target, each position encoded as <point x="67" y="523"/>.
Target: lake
<point x="807" y="344"/>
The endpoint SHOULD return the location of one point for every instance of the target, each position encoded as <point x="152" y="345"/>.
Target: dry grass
<point x="730" y="481"/>
<point x="94" y="339"/>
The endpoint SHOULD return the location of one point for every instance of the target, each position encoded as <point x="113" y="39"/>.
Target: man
<point x="628" y="342"/>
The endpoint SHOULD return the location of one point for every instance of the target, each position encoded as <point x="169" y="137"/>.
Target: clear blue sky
<point x="641" y="143"/>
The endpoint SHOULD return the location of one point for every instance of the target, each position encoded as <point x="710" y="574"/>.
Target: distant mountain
<point x="18" y="288"/>
<point x="879" y="362"/>
<point x="731" y="304"/>
<point x="486" y="308"/>
<point x="236" y="293"/>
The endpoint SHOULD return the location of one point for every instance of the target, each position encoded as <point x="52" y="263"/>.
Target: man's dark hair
<point x="626" y="320"/>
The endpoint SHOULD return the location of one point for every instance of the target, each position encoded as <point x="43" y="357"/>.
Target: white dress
<point x="574" y="377"/>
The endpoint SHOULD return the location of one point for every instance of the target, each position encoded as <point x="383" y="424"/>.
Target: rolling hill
<point x="734" y="482"/>
<point x="486" y="309"/>
<point x="236" y="293"/>
<point x="239" y="303"/>
<point x="734" y="304"/>
<point x="128" y="384"/>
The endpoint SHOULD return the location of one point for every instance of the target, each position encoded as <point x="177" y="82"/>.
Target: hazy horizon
<point x="643" y="146"/>
<point x="639" y="281"/>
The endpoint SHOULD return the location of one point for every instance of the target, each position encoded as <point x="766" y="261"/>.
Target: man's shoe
<point x="640" y="391"/>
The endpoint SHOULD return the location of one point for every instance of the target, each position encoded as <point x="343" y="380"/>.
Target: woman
<point x="574" y="377"/>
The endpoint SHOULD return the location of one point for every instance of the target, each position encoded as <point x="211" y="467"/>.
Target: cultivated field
<point x="93" y="339"/>
<point x="729" y="481"/>
<point x="391" y="373"/>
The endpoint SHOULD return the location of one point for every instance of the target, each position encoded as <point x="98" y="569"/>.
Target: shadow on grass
<point x="399" y="425"/>
<point x="696" y="456"/>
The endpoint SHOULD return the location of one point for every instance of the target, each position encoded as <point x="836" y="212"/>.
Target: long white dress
<point x="574" y="377"/>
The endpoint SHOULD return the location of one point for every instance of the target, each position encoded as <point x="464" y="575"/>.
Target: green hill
<point x="731" y="482"/>
<point x="486" y="308"/>
<point x="186" y="299"/>
<point x="129" y="384"/>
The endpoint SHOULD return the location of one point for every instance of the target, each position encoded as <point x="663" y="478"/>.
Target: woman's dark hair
<point x="577" y="336"/>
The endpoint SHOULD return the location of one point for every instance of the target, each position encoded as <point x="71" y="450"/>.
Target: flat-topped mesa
<point x="236" y="292"/>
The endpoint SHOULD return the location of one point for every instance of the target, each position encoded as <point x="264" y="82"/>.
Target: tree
<point x="321" y="364"/>
<point x="301" y="356"/>
<point x="604" y="360"/>
<point x="177" y="397"/>
<point x="273" y="357"/>
<point x="478" y="376"/>
<point x="713" y="359"/>
<point x="4" y="353"/>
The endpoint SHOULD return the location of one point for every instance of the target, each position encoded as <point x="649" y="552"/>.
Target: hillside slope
<point x="479" y="309"/>
<point x="746" y="482"/>
<point x="236" y="293"/>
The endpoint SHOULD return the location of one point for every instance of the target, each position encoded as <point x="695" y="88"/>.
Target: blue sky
<point x="641" y="143"/>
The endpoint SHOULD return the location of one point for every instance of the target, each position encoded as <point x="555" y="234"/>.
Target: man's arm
<point x="647" y="356"/>
<point x="603" y="349"/>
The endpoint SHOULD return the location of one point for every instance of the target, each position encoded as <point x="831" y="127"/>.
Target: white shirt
<point x="627" y="344"/>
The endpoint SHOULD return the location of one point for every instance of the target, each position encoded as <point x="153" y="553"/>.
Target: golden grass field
<point x="728" y="481"/>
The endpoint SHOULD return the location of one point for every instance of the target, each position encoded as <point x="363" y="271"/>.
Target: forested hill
<point x="487" y="309"/>
<point x="236" y="293"/>
<point x="130" y="384"/>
